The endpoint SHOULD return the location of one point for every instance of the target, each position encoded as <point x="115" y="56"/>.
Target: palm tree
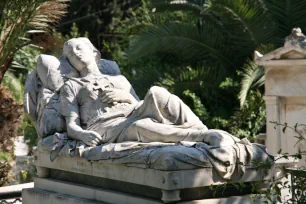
<point x="218" y="36"/>
<point x="219" y="28"/>
<point x="21" y="17"/>
<point x="17" y="19"/>
<point x="224" y="32"/>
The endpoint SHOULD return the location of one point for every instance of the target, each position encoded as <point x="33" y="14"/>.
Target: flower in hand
<point x="113" y="95"/>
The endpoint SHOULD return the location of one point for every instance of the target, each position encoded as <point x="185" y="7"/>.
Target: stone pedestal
<point x="75" y="180"/>
<point x="285" y="96"/>
<point x="50" y="191"/>
<point x="166" y="186"/>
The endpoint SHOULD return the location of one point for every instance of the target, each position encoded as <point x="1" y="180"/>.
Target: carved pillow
<point x="50" y="119"/>
<point x="109" y="67"/>
<point x="51" y="71"/>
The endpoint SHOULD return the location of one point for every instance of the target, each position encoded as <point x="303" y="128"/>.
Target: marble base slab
<point x="50" y="191"/>
<point x="37" y="196"/>
<point x="168" y="186"/>
<point x="166" y="180"/>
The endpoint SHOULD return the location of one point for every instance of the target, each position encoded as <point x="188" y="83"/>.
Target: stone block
<point x="49" y="191"/>
<point x="37" y="196"/>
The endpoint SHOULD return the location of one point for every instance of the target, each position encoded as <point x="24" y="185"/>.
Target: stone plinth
<point x="68" y="180"/>
<point x="49" y="191"/>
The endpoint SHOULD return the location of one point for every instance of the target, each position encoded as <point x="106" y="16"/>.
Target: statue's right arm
<point x="70" y="109"/>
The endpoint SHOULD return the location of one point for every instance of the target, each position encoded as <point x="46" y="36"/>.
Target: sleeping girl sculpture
<point x="73" y="100"/>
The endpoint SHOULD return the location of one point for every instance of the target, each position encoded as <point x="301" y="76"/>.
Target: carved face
<point x="79" y="53"/>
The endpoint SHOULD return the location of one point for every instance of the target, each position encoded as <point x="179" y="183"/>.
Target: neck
<point x="91" y="71"/>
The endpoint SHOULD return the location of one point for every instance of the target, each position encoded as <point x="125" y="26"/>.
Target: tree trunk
<point x="4" y="68"/>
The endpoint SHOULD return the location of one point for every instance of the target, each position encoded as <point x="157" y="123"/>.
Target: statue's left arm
<point x="70" y="109"/>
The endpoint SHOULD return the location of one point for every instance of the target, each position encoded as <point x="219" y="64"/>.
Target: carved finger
<point x="110" y="100"/>
<point x="105" y="98"/>
<point x="110" y="94"/>
<point x="108" y="90"/>
<point x="99" y="137"/>
<point x="105" y="93"/>
<point x="93" y="142"/>
<point x="116" y="99"/>
<point x="96" y="140"/>
<point x="96" y="137"/>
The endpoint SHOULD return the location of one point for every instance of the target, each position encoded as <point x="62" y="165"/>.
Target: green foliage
<point x="4" y="156"/>
<point x="191" y="42"/>
<point x="253" y="77"/>
<point x="29" y="132"/>
<point x="23" y="62"/>
<point x="19" y="18"/>
<point x="25" y="59"/>
<point x="175" y="73"/>
<point x="98" y="18"/>
<point x="250" y="119"/>
<point x="215" y="36"/>
<point x="196" y="104"/>
<point x="14" y="85"/>
<point x="282" y="183"/>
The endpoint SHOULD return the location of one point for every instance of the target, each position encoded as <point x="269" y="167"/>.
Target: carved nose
<point x="76" y="52"/>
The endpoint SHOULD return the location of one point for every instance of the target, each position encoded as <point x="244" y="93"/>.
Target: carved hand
<point x="116" y="95"/>
<point x="91" y="138"/>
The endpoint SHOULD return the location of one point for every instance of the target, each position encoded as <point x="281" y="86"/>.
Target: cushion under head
<point x="51" y="71"/>
<point x="109" y="67"/>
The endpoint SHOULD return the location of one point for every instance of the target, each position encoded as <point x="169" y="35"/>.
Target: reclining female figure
<point x="105" y="109"/>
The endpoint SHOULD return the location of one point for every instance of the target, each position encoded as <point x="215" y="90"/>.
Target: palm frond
<point x="287" y="14"/>
<point x="253" y="77"/>
<point x="190" y="42"/>
<point x="48" y="13"/>
<point x="144" y="78"/>
<point x="192" y="78"/>
<point x="16" y="17"/>
<point x="247" y="21"/>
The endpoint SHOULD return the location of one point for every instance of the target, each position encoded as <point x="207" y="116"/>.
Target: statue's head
<point x="80" y="52"/>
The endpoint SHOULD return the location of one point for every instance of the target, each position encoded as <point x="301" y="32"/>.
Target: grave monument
<point x="285" y="94"/>
<point x="99" y="143"/>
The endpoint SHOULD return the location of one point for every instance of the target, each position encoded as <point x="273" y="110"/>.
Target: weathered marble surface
<point x="189" y="184"/>
<point x="72" y="95"/>
<point x="229" y="162"/>
<point x="44" y="192"/>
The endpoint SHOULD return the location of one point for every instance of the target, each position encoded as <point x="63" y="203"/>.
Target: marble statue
<point x="99" y="141"/>
<point x="99" y="108"/>
<point x="105" y="109"/>
<point x="84" y="107"/>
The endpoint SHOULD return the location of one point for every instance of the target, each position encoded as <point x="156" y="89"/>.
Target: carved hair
<point x="67" y="49"/>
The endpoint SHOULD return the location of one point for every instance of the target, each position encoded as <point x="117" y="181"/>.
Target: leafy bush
<point x="250" y="119"/>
